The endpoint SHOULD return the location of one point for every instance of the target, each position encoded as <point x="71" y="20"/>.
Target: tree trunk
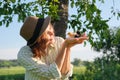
<point x="61" y="25"/>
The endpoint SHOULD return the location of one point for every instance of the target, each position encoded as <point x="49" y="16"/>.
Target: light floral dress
<point x="44" y="68"/>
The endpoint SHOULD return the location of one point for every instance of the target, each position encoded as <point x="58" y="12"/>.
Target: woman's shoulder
<point x="25" y="50"/>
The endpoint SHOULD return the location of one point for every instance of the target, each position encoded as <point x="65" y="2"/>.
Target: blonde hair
<point x="39" y="47"/>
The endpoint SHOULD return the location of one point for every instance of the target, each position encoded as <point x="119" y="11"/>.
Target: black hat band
<point x="36" y="31"/>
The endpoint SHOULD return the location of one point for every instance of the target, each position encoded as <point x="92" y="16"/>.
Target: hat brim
<point x="43" y="28"/>
<point x="45" y="24"/>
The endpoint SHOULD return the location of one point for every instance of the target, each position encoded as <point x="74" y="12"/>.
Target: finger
<point x="84" y="34"/>
<point x="83" y="38"/>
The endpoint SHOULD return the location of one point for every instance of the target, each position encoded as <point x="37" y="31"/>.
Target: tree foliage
<point x="88" y="18"/>
<point x="8" y="63"/>
<point x="106" y="67"/>
<point x="77" y="62"/>
<point x="24" y="8"/>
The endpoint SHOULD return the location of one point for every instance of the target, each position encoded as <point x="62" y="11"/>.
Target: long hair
<point x="40" y="46"/>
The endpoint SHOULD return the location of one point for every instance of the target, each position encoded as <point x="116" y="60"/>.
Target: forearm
<point x="66" y="64"/>
<point x="61" y="56"/>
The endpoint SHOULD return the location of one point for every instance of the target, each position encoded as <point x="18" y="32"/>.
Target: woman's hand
<point x="69" y="42"/>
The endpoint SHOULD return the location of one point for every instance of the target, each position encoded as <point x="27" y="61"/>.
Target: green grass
<point x="12" y="73"/>
<point x="79" y="70"/>
<point x="78" y="73"/>
<point x="17" y="73"/>
<point x="21" y="70"/>
<point x="12" y="70"/>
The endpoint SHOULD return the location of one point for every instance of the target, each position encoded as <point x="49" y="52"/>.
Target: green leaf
<point x="84" y="43"/>
<point x="0" y="23"/>
<point x="74" y="16"/>
<point x="56" y="1"/>
<point x="84" y="30"/>
<point x="13" y="1"/>
<point x="72" y="3"/>
<point x="7" y="23"/>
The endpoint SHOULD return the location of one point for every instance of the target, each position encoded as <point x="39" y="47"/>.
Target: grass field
<point x="12" y="70"/>
<point x="78" y="73"/>
<point x="79" y="70"/>
<point x="17" y="73"/>
<point x="12" y="73"/>
<point x="21" y="70"/>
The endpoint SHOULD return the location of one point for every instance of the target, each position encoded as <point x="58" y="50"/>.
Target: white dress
<point x="44" y="68"/>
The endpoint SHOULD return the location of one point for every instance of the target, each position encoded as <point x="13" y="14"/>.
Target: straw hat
<point x="33" y="27"/>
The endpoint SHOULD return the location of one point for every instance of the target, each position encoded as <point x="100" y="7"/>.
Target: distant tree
<point x="77" y="62"/>
<point x="107" y="67"/>
<point x="110" y="44"/>
<point x="14" y="63"/>
<point x="87" y="63"/>
<point x="5" y="63"/>
<point x="8" y="63"/>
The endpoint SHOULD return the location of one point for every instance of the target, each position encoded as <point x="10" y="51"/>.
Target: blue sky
<point x="11" y="41"/>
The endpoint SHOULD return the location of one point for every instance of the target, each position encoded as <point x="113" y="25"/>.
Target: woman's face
<point x="49" y="34"/>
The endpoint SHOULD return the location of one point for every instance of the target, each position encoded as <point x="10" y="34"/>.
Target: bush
<point x="12" y="77"/>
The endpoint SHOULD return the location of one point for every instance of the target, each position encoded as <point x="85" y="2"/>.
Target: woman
<point x="45" y="57"/>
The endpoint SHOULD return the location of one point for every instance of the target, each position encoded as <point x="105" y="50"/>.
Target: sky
<point x="11" y="41"/>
